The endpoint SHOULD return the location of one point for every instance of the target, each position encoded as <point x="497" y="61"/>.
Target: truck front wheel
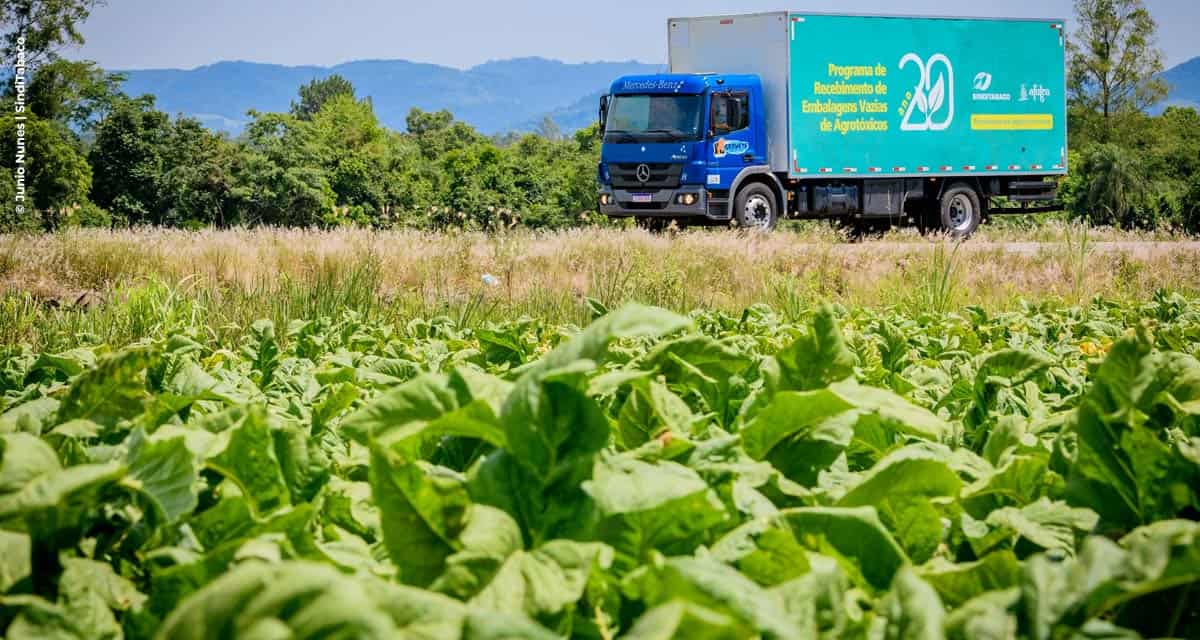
<point x="961" y="211"/>
<point x="755" y="208"/>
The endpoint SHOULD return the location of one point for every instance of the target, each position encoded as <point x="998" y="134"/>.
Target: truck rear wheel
<point x="961" y="211"/>
<point x="755" y="207"/>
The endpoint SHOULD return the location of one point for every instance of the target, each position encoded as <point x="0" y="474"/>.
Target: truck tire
<point x="755" y="207"/>
<point x="961" y="211"/>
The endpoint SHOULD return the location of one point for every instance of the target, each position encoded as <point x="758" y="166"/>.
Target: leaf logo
<point x="929" y="95"/>
<point x="983" y="81"/>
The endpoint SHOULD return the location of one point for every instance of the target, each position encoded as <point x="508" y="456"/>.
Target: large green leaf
<point x="1047" y="524"/>
<point x="647" y="507"/>
<point x="409" y="416"/>
<point x="714" y="586"/>
<point x="700" y="366"/>
<point x="649" y="409"/>
<point x="800" y="432"/>
<point x="764" y="550"/>
<point x="303" y="600"/>
<point x="1121" y="467"/>
<point x="912" y="609"/>
<point x="248" y="459"/>
<point x="423" y="508"/>
<point x="959" y="582"/>
<point x="548" y="418"/>
<point x="24" y="457"/>
<point x="15" y="561"/>
<point x="817" y="358"/>
<point x="545" y="583"/>
<point x="33" y="417"/>
<point x="682" y="619"/>
<point x="900" y="488"/>
<point x="165" y="470"/>
<point x="1063" y="596"/>
<point x="91" y="591"/>
<point x="113" y="390"/>
<point x="854" y="533"/>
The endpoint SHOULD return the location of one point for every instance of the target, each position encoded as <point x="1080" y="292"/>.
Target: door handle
<point x="748" y="157"/>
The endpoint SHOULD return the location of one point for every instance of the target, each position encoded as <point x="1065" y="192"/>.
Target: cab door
<point x="731" y="139"/>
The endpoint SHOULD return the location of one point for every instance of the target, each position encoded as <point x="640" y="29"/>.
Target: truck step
<point x="1032" y="197"/>
<point x="718" y="208"/>
<point x="1028" y="185"/>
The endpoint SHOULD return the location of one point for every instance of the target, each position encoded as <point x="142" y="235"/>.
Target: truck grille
<point x="662" y="176"/>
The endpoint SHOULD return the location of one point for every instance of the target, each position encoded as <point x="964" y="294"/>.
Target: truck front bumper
<point x="663" y="203"/>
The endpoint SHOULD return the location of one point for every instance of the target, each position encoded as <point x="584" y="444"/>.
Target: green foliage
<point x="1113" y="60"/>
<point x="127" y="159"/>
<point x="1111" y="187"/>
<point x="74" y="93"/>
<point x="57" y="175"/>
<point x="350" y="479"/>
<point x="315" y="94"/>
<point x="45" y="25"/>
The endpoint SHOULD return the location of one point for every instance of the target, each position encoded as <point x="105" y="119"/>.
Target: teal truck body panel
<point x="898" y="96"/>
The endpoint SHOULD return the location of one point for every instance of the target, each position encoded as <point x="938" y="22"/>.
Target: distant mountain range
<point x="495" y="97"/>
<point x="1185" y="84"/>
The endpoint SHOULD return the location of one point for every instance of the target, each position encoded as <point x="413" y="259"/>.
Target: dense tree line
<point x="1127" y="168"/>
<point x="99" y="157"/>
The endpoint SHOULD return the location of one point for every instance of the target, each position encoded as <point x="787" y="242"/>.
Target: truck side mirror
<point x="603" y="112"/>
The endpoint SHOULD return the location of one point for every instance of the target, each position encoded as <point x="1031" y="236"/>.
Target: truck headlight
<point x="686" y="199"/>
<point x="605" y="199"/>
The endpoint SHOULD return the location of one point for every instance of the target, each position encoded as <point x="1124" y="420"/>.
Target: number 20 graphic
<point x="929" y="96"/>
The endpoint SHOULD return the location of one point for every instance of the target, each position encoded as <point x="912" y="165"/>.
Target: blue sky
<point x="460" y="33"/>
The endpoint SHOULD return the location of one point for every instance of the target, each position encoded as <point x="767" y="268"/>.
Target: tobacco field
<point x="856" y="473"/>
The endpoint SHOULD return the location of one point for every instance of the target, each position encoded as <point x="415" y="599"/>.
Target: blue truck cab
<point x="675" y="144"/>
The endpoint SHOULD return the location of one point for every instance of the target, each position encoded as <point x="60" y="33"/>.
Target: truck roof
<point x="863" y="15"/>
<point x="682" y="83"/>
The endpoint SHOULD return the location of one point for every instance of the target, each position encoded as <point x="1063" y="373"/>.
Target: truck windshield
<point x="653" y="118"/>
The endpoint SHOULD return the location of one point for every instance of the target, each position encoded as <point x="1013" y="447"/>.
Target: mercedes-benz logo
<point x="643" y="173"/>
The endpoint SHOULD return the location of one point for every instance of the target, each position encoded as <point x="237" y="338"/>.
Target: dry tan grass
<point x="714" y="269"/>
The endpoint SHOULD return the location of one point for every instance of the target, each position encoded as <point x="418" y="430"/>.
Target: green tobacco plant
<point x="834" y="472"/>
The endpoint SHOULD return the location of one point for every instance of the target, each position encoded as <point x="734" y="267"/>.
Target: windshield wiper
<point x="673" y="133"/>
<point x="620" y="133"/>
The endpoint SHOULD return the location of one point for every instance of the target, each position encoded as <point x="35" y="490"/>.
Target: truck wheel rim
<point x="758" y="211"/>
<point x="961" y="212"/>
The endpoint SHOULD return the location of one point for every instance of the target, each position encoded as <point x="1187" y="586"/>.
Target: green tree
<point x="74" y="93"/>
<point x="315" y="94"/>
<point x="57" y="176"/>
<point x="127" y="161"/>
<point x="196" y="186"/>
<point x="45" y="25"/>
<point x="1113" y="63"/>
<point x="1110" y="188"/>
<point x="438" y="133"/>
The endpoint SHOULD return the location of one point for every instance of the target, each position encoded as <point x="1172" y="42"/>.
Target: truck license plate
<point x="641" y="197"/>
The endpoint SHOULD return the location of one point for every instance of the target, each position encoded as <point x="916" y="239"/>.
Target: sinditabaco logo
<point x="983" y="82"/>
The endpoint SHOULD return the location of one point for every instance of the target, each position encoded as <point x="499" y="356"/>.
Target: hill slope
<point x="1185" y="83"/>
<point x="495" y="97"/>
